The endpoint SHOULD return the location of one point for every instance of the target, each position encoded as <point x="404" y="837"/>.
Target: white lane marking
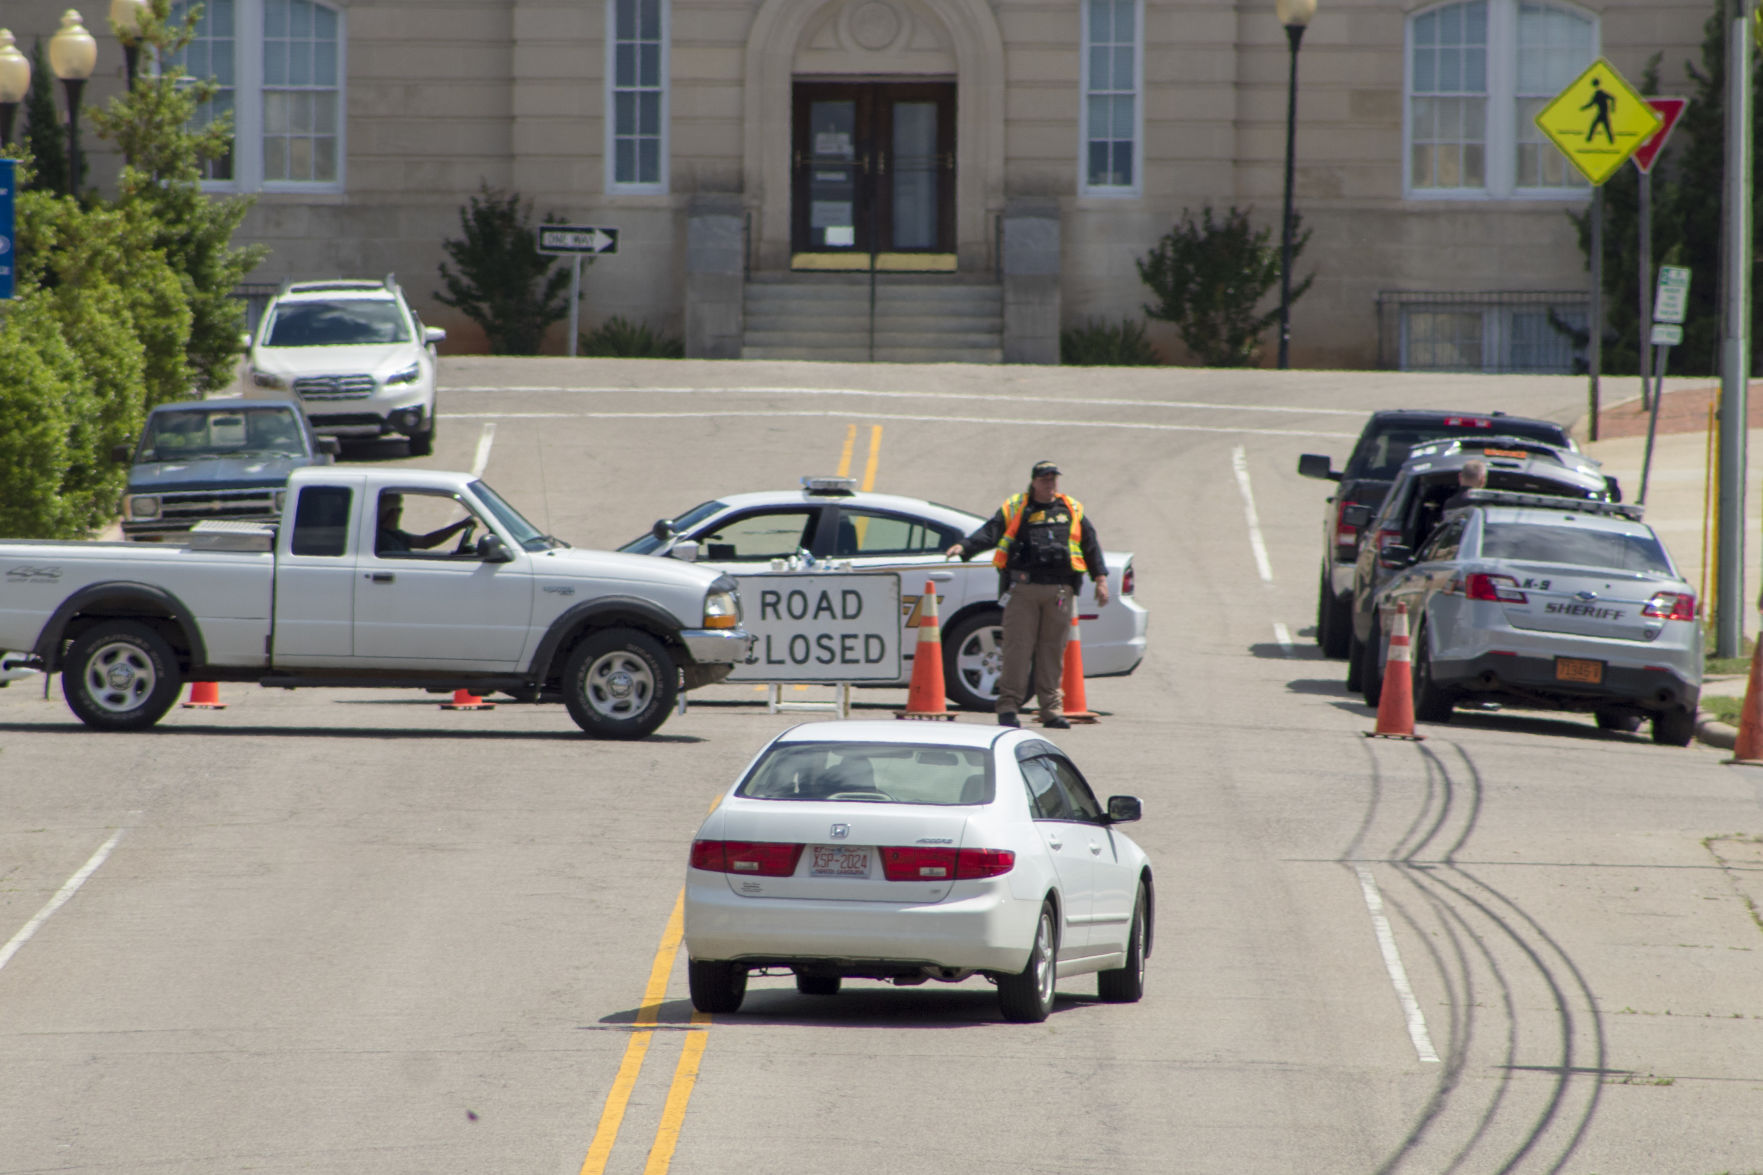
<point x="484" y="440"/>
<point x="1283" y="635"/>
<point x="59" y="900"/>
<point x="1239" y="460"/>
<point x="994" y="421"/>
<point x="1392" y="961"/>
<point x="905" y="395"/>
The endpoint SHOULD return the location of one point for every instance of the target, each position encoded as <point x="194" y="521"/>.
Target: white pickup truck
<point x="471" y="596"/>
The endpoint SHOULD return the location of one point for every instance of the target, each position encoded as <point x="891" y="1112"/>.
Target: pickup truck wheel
<point x="1334" y="618"/>
<point x="973" y="660"/>
<point x="620" y="683"/>
<point x="120" y="675"/>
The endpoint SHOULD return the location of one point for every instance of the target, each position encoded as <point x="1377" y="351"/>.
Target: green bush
<point x="34" y="421"/>
<point x="504" y="284"/>
<point x="106" y="407"/>
<point x="617" y="338"/>
<point x="1103" y="344"/>
<point x="1209" y="276"/>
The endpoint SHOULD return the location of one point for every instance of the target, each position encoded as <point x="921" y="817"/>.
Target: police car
<point x="829" y="521"/>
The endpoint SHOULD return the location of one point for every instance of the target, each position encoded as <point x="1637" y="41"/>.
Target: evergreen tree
<point x="45" y="136"/>
<point x="504" y="284"/>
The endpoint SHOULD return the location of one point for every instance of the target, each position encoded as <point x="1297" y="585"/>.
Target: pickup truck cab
<point x="391" y="578"/>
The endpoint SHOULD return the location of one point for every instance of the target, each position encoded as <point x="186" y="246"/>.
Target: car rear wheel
<point x="817" y="984"/>
<point x="1432" y="702"/>
<point x="120" y="675"/>
<point x="1370" y="669"/>
<point x="1334" y="619"/>
<point x="1027" y="996"/>
<point x="716" y="986"/>
<point x="620" y="683"/>
<point x="1127" y="985"/>
<point x="1355" y="655"/>
<point x="1617" y="720"/>
<point x="973" y="661"/>
<point x="1674" y="728"/>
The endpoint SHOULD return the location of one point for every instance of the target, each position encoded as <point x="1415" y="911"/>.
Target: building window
<point x="1535" y="331"/>
<point x="279" y="65"/>
<point x="636" y="71"/>
<point x="1478" y="72"/>
<point x="1112" y="66"/>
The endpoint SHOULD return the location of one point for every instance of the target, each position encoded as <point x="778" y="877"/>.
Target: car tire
<point x="716" y="986"/>
<point x="1027" y="996"/>
<point x="1432" y="702"/>
<point x="1674" y="728"/>
<point x="1334" y="619"/>
<point x="1618" y="721"/>
<point x="1127" y="985"/>
<point x="120" y="675"/>
<point x="620" y="683"/>
<point x="1370" y="667"/>
<point x="817" y="984"/>
<point x="973" y="660"/>
<point x="423" y="443"/>
<point x="1354" y="656"/>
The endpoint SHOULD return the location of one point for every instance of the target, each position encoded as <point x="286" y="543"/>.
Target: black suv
<point x="1382" y="447"/>
<point x="1414" y="503"/>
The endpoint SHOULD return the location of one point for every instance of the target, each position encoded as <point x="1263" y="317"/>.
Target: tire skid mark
<point x="1494" y="962"/>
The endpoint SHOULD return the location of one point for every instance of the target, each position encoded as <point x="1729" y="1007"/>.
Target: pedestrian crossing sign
<point x="1598" y="121"/>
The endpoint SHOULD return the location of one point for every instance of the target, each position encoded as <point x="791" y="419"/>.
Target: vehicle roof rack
<point x="1627" y="510"/>
<point x="389" y="282"/>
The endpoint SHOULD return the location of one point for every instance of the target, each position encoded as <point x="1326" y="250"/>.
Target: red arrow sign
<point x="1670" y="110"/>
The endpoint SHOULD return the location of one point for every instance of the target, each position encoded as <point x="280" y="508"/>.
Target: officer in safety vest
<point x="1043" y="547"/>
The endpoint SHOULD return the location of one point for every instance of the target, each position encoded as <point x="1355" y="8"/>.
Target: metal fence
<point x="1533" y="331"/>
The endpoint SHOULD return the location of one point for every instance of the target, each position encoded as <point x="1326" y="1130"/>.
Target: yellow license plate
<point x="1578" y="669"/>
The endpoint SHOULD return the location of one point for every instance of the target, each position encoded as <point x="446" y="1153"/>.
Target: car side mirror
<point x="686" y="550"/>
<point x="491" y="549"/>
<point x="1317" y="465"/>
<point x="331" y="446"/>
<point x="433" y="334"/>
<point x="245" y="340"/>
<point x="121" y="453"/>
<point x="1124" y="809"/>
<point x="1356" y="515"/>
<point x="1395" y="555"/>
<point x="662" y="530"/>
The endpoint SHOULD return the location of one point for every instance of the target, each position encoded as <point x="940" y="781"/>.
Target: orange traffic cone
<point x="924" y="699"/>
<point x="1395" y="705"/>
<point x="1748" y="747"/>
<point x="1074" y="706"/>
<point x="204" y="695"/>
<point x="464" y="699"/>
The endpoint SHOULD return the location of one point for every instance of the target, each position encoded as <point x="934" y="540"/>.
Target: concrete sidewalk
<point x="1680" y="496"/>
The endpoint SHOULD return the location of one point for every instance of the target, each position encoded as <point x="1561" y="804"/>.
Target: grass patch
<point x="1724" y="709"/>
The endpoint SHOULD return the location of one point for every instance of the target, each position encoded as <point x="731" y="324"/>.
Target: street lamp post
<point x="15" y="83"/>
<point x="125" y="20"/>
<point x="1295" y="16"/>
<point x="73" y="54"/>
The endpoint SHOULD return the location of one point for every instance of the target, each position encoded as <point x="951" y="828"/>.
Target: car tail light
<point x="755" y="858"/>
<point x="1126" y="582"/>
<point x="1671" y="606"/>
<point x="1468" y="422"/>
<point x="924" y="863"/>
<point x="1345" y="537"/>
<point x="1501" y="588"/>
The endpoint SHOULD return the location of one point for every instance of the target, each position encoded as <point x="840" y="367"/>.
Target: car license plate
<point x="1579" y="669"/>
<point x="838" y="861"/>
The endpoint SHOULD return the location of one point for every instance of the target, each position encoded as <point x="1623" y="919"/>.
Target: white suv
<point x="355" y="354"/>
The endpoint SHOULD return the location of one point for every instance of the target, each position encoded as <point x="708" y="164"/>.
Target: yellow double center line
<point x="685" y="1073"/>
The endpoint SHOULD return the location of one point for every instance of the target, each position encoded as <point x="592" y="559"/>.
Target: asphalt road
<point x="334" y="931"/>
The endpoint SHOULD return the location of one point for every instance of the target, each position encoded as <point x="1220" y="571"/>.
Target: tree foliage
<point x="503" y="283"/>
<point x="45" y="135"/>
<point x="1210" y="275"/>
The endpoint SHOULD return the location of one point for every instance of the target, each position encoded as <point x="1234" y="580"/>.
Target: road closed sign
<point x="821" y="628"/>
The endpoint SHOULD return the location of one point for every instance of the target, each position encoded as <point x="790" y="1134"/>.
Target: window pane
<point x="1421" y="168"/>
<point x="300" y="22"/>
<point x="624" y="69"/>
<point x="625" y="114"/>
<point x="648" y="161"/>
<point x="1123" y="116"/>
<point x="275" y="63"/>
<point x="275" y="158"/>
<point x="1101" y="20"/>
<point x="1474" y="166"/>
<point x="1098" y="165"/>
<point x="278" y="116"/>
<point x="1123" y="164"/>
<point x="1100" y="74"/>
<point x="300" y="158"/>
<point x="651" y="16"/>
<point x="275" y="18"/>
<point x="300" y="63"/>
<point x="324" y="24"/>
<point x="1426" y="71"/>
<point x="649" y="114"/>
<point x="651" y="60"/>
<point x="324" y="63"/>
<point x="1123" y="74"/>
<point x="627" y="18"/>
<point x="625" y="161"/>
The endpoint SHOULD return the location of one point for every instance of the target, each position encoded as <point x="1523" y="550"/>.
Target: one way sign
<point x="577" y="238"/>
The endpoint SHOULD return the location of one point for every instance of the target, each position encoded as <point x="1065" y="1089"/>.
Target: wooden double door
<point x="873" y="169"/>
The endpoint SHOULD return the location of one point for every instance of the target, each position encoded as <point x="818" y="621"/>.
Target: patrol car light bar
<point x="1628" y="510"/>
<point x="830" y="485"/>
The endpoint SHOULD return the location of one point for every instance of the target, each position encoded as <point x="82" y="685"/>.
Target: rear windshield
<point x="1382" y="455"/>
<point x="343" y="323"/>
<point x="881" y="773"/>
<point x="1542" y="543"/>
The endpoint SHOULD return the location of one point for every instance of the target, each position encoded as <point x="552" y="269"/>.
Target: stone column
<point x="716" y="276"/>
<point x="1030" y="268"/>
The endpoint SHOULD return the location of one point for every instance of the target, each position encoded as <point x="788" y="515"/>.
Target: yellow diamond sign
<point x="1598" y="121"/>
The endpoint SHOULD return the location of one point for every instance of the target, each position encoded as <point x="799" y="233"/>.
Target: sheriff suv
<point x="1382" y="447"/>
<point x="356" y="356"/>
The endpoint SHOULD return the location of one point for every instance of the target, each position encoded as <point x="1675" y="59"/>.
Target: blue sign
<point x="8" y="174"/>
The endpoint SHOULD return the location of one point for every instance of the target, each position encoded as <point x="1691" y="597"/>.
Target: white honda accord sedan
<point x="907" y="851"/>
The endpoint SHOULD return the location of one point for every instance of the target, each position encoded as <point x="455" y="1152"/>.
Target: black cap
<point x="1044" y="469"/>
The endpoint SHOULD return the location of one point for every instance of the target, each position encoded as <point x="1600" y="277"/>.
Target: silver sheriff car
<point x="1543" y="602"/>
